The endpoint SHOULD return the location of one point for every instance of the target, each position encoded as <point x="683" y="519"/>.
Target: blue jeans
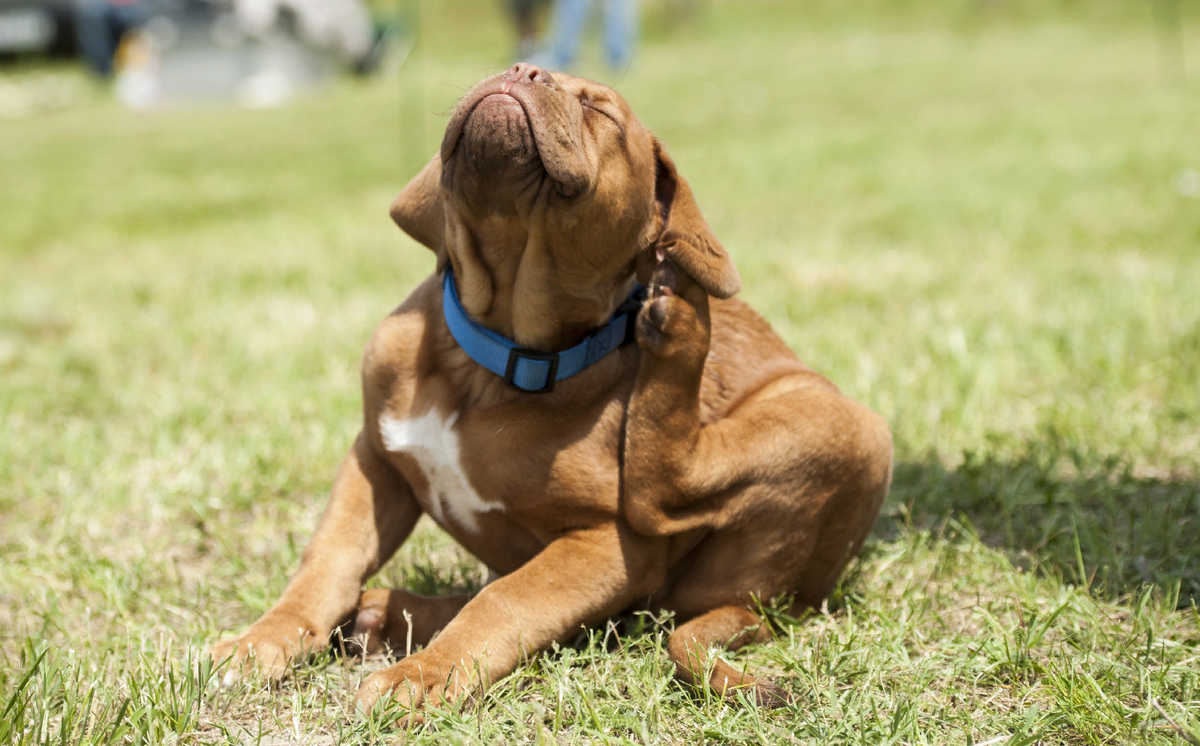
<point x="570" y="17"/>
<point x="99" y="26"/>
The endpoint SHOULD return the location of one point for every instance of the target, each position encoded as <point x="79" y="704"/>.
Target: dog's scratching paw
<point x="674" y="321"/>
<point x="666" y="278"/>
<point x="669" y="327"/>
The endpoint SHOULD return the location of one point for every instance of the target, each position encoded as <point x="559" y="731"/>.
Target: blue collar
<point x="533" y="370"/>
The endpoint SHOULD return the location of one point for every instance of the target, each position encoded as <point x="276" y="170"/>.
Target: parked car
<point x="36" y="27"/>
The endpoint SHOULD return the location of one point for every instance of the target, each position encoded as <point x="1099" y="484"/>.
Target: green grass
<point x="968" y="216"/>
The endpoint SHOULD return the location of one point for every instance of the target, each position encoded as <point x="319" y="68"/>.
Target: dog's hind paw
<point x="674" y="323"/>
<point x="367" y="635"/>
<point x="771" y="695"/>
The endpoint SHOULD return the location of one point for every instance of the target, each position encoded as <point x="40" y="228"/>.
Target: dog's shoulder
<point x="401" y="347"/>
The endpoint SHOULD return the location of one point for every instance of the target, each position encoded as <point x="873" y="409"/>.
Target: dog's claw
<point x="666" y="277"/>
<point x="368" y="695"/>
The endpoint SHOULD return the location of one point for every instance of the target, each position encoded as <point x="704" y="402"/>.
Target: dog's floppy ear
<point x="686" y="237"/>
<point x="418" y="208"/>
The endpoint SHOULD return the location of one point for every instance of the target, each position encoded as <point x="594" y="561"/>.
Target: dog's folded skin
<point x="692" y="472"/>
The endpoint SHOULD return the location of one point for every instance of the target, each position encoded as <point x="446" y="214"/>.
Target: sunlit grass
<point x="975" y="226"/>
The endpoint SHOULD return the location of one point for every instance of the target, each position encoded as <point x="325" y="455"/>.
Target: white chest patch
<point x="432" y="442"/>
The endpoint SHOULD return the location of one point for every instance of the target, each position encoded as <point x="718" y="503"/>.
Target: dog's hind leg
<point x="776" y="462"/>
<point x="399" y="621"/>
<point x="730" y="627"/>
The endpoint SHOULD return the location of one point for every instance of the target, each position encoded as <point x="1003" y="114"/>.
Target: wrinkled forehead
<point x="590" y="89"/>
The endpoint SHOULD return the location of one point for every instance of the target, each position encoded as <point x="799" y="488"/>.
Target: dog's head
<point x="547" y="197"/>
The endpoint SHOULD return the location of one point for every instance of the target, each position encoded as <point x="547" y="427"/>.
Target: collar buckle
<point x="516" y="354"/>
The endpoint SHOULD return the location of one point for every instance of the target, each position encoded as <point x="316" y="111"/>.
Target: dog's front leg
<point x="371" y="512"/>
<point x="577" y="580"/>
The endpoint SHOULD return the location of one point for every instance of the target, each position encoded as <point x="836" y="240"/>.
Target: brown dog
<point x="694" y="471"/>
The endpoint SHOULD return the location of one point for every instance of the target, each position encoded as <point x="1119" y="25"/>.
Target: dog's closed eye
<point x="589" y="105"/>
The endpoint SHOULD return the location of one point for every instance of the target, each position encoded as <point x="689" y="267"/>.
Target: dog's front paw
<point x="674" y="323"/>
<point x="418" y="679"/>
<point x="268" y="648"/>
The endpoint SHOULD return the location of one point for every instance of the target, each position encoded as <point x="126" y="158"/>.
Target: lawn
<point x="981" y="220"/>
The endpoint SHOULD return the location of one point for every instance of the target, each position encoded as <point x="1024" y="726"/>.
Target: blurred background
<point x="979" y="217"/>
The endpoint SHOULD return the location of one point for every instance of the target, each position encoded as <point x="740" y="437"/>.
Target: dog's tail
<point x="730" y="627"/>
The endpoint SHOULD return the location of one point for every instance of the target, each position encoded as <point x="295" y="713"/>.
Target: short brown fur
<point x="696" y="471"/>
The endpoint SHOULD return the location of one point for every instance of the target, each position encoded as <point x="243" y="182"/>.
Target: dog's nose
<point x="523" y="72"/>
